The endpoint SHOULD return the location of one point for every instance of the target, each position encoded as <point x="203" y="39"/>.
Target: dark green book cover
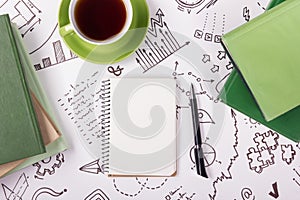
<point x="236" y="94"/>
<point x="19" y="134"/>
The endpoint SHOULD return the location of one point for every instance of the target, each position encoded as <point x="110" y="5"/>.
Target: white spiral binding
<point x="105" y="123"/>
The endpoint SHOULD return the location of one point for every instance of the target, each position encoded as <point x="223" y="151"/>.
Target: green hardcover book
<point x="266" y="52"/>
<point x="236" y="94"/>
<point x="52" y="136"/>
<point x="33" y="82"/>
<point x="19" y="135"/>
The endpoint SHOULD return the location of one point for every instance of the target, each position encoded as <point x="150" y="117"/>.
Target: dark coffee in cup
<point x="99" y="20"/>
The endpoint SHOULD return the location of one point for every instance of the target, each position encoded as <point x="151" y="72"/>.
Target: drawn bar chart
<point x="59" y="54"/>
<point x="159" y="44"/>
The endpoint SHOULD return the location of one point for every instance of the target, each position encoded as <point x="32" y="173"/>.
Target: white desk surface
<point x="244" y="159"/>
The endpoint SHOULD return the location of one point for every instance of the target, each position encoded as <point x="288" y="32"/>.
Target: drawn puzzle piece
<point x="262" y="156"/>
<point x="288" y="153"/>
<point x="266" y="157"/>
<point x="258" y="139"/>
<point x="254" y="157"/>
<point x="271" y="139"/>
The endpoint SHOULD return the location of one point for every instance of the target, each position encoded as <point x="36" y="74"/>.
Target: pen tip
<point x="192" y="88"/>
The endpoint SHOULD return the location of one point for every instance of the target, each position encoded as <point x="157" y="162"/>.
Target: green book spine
<point x="20" y="134"/>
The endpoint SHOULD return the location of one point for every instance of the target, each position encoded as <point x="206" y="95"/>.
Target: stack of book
<point x="264" y="84"/>
<point x="28" y="132"/>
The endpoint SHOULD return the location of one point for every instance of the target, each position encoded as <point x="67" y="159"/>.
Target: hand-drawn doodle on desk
<point x="59" y="54"/>
<point x="261" y="156"/>
<point x="247" y="194"/>
<point x="142" y="184"/>
<point x="220" y="62"/>
<point x="225" y="175"/>
<point x="199" y="80"/>
<point x="246" y="13"/>
<point x="178" y="193"/>
<point x="261" y="6"/>
<point x="204" y="116"/>
<point x="209" y="155"/>
<point x="175" y="73"/>
<point x="288" y="153"/>
<point x="221" y="83"/>
<point x="2" y="4"/>
<point x="211" y="24"/>
<point x="18" y="190"/>
<point x="117" y="71"/>
<point x="274" y="192"/>
<point x="94" y="167"/>
<point x="178" y="108"/>
<point x="79" y="102"/>
<point x="297" y="179"/>
<point x="97" y="194"/>
<point x="202" y="87"/>
<point x="160" y="43"/>
<point x="251" y="122"/>
<point x="222" y="55"/>
<point x="206" y="58"/>
<point x="197" y="5"/>
<point x="31" y="18"/>
<point x="190" y="75"/>
<point x="48" y="165"/>
<point x="26" y="16"/>
<point x="48" y="191"/>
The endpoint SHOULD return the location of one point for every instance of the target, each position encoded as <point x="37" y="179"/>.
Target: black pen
<point x="199" y="157"/>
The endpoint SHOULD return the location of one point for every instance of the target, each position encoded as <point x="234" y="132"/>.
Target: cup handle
<point x="66" y="30"/>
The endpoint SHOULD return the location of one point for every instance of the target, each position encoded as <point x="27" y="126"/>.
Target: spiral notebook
<point x="139" y="127"/>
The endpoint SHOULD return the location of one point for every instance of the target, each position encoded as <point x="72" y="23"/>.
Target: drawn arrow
<point x="32" y="27"/>
<point x="229" y="66"/>
<point x="215" y="68"/>
<point x="274" y="193"/>
<point x="211" y="80"/>
<point x="221" y="55"/>
<point x="155" y="22"/>
<point x="227" y="175"/>
<point x="210" y="3"/>
<point x="206" y="58"/>
<point x="198" y="34"/>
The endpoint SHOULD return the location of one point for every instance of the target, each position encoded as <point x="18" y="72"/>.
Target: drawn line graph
<point x="160" y="43"/>
<point x="232" y="160"/>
